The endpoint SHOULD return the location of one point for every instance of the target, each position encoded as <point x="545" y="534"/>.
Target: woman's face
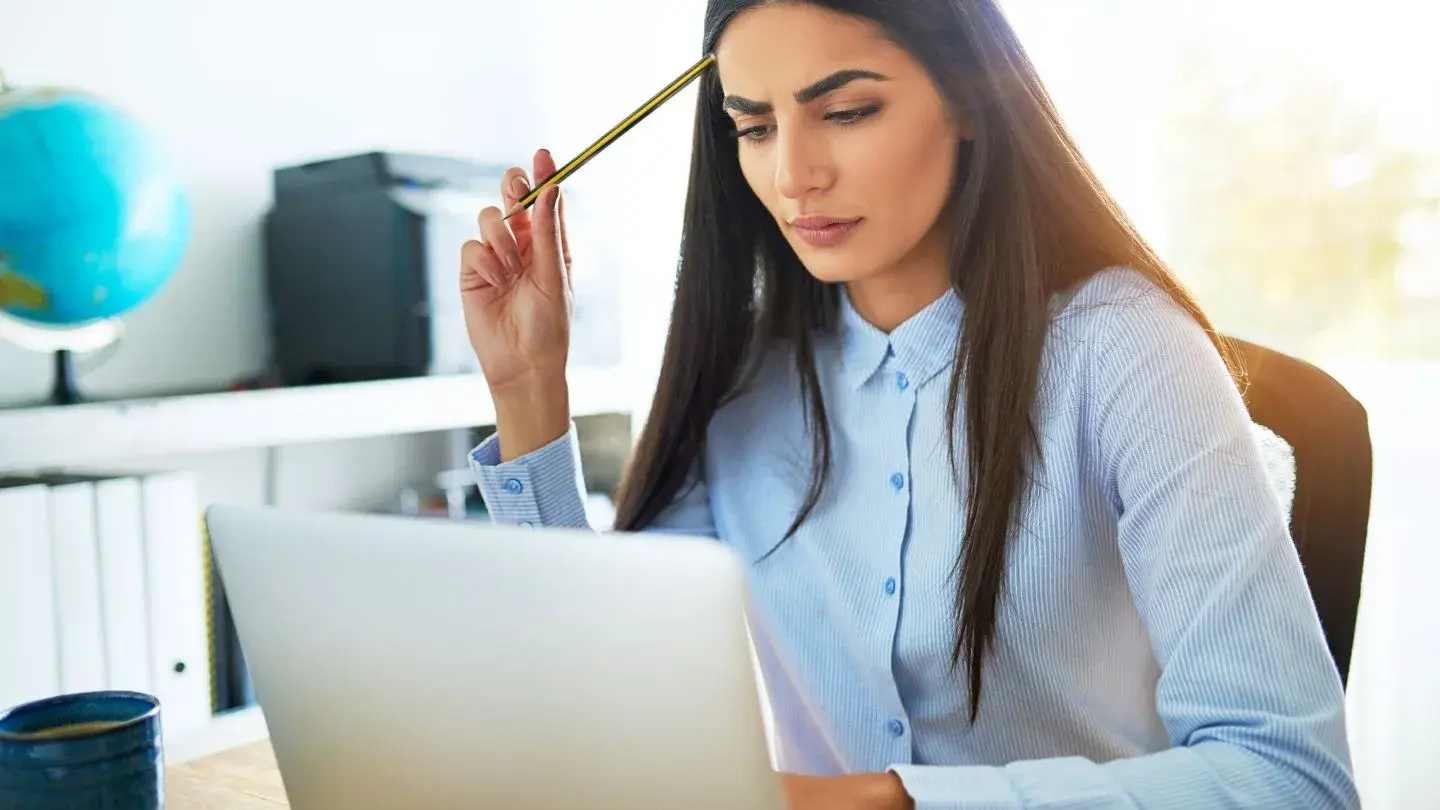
<point x="844" y="138"/>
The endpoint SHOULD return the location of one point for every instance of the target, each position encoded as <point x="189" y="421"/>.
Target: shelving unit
<point x="88" y="434"/>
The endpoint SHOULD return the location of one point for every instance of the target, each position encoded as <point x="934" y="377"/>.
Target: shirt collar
<point x="922" y="346"/>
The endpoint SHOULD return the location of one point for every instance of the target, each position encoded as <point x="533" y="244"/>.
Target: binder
<point x="175" y="572"/>
<point x="31" y="668"/>
<point x="120" y="533"/>
<point x="77" y="583"/>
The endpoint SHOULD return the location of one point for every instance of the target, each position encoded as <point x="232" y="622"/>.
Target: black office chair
<point x="1330" y="434"/>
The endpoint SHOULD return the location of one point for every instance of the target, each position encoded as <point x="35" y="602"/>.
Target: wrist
<point x="531" y="413"/>
<point x="890" y="794"/>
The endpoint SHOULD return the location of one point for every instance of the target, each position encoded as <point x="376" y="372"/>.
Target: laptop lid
<point x="419" y="663"/>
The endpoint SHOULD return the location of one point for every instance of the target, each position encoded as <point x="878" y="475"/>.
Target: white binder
<point x="31" y="667"/>
<point x="77" y="584"/>
<point x="175" y="576"/>
<point x="120" y="531"/>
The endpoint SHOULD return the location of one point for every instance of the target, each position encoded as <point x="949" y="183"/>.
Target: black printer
<point x="362" y="257"/>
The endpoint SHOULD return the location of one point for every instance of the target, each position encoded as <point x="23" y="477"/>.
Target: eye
<point x="847" y="117"/>
<point x="755" y="133"/>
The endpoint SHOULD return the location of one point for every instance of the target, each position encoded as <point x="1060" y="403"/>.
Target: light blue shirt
<point x="1157" y="643"/>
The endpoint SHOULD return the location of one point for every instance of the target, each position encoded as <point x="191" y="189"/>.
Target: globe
<point x="93" y="217"/>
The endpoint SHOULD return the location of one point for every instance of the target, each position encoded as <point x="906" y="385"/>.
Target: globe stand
<point x="64" y="391"/>
<point x="62" y="344"/>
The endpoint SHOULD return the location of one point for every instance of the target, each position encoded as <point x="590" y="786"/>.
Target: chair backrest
<point x="1330" y="434"/>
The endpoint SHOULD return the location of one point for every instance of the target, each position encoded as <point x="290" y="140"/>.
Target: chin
<point x="836" y="267"/>
<point x="831" y="265"/>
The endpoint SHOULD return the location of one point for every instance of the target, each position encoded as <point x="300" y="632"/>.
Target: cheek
<point x="904" y="172"/>
<point x="759" y="175"/>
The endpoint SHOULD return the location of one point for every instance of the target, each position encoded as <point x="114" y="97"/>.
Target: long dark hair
<point x="1030" y="220"/>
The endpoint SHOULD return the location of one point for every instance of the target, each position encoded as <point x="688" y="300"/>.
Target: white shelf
<point x="222" y="733"/>
<point x="98" y="433"/>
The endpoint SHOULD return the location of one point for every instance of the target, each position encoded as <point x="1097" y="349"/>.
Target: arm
<point x="1248" y="692"/>
<point x="546" y="488"/>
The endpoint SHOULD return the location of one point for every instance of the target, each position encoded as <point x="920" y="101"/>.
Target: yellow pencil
<point x="608" y="138"/>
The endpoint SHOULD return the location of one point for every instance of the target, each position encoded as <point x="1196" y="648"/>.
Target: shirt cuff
<point x="542" y="488"/>
<point x="957" y="788"/>
<point x="1056" y="782"/>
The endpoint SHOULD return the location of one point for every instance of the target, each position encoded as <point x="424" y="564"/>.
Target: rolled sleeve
<point x="542" y="488"/>
<point x="957" y="788"/>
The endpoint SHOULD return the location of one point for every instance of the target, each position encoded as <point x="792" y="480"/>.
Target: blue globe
<point x="93" y="217"/>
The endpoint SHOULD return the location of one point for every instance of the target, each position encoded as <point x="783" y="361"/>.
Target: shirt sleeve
<point x="546" y="488"/>
<point x="1248" y="691"/>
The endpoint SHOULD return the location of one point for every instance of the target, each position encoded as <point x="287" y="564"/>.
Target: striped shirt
<point x="1157" y="645"/>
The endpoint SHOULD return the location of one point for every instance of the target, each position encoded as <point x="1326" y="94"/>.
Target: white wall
<point x="1394" y="700"/>
<point x="236" y="89"/>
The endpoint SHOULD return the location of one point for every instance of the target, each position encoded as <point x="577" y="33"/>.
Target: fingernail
<point x="519" y="186"/>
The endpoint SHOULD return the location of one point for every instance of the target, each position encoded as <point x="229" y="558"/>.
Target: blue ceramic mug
<point x="96" y="750"/>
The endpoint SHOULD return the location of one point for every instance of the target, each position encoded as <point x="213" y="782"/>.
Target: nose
<point x="802" y="164"/>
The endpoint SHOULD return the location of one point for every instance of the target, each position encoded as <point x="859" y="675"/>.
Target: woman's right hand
<point x="517" y="299"/>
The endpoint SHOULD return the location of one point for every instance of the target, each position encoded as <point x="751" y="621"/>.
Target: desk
<point x="244" y="778"/>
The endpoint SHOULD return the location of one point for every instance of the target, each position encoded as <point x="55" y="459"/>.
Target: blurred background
<point x="1283" y="156"/>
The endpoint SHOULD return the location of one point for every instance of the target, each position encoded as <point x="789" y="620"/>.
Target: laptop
<point x="420" y="663"/>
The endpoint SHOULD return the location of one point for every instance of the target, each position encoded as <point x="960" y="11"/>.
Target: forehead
<point x="785" y="46"/>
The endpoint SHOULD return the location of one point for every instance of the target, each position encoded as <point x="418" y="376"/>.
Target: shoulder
<point x="1120" y="318"/>
<point x="1116" y="298"/>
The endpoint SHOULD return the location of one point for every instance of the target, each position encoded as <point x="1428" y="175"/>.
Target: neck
<point x="891" y="297"/>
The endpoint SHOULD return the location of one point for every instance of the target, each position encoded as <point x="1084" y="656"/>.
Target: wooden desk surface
<point x="244" y="778"/>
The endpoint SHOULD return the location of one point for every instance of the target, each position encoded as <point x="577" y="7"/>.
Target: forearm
<point x="1208" y="776"/>
<point x="866" y="791"/>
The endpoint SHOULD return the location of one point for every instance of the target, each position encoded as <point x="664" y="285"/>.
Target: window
<point x="1284" y="158"/>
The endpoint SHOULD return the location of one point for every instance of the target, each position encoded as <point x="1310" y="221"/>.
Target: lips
<point x="824" y="231"/>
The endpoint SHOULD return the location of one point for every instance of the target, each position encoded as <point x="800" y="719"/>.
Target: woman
<point x="1011" y="538"/>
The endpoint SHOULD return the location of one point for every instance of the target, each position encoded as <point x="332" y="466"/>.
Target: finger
<point x="544" y="166"/>
<point x="564" y="243"/>
<point x="544" y="224"/>
<point x="514" y="185"/>
<point x="479" y="266"/>
<point x="495" y="232"/>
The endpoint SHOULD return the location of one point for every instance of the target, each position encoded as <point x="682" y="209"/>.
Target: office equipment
<point x="420" y="663"/>
<point x="361" y="260"/>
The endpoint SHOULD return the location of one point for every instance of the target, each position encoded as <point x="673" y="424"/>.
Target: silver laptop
<point x="417" y="663"/>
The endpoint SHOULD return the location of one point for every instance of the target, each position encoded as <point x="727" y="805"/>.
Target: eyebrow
<point x="827" y="85"/>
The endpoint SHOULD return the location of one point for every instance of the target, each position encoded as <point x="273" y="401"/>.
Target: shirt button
<point x="514" y="487"/>
<point x="897" y="481"/>
<point x="901" y="381"/>
<point x="525" y="524"/>
<point x="897" y="728"/>
<point x="890" y="586"/>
